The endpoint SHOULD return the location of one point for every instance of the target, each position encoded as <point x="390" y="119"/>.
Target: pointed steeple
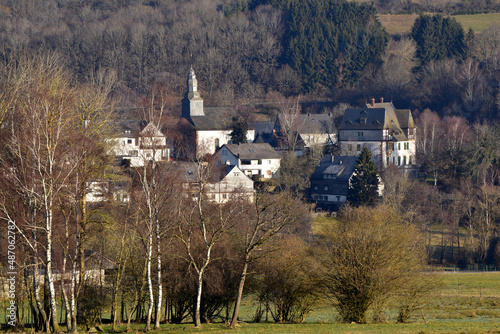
<point x="195" y="102"/>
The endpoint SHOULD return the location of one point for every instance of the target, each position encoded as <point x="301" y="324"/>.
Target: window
<point x="246" y="162"/>
<point x="409" y="159"/>
<point x="399" y="146"/>
<point x="387" y="160"/>
<point x="399" y="161"/>
<point x="349" y="147"/>
<point x="358" y="147"/>
<point x="326" y="188"/>
<point x="129" y="141"/>
<point x="404" y="160"/>
<point x="259" y="162"/>
<point x="224" y="196"/>
<point x="315" y="187"/>
<point x="236" y="174"/>
<point x="360" y="134"/>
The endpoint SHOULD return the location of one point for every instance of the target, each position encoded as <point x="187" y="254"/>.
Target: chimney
<point x="381" y="100"/>
<point x="333" y="158"/>
<point x="340" y="162"/>
<point x="373" y="103"/>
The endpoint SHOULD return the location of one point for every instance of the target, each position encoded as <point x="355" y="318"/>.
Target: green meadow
<point x="465" y="303"/>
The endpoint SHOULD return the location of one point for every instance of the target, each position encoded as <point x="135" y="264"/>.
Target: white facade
<point x="386" y="152"/>
<point x="235" y="185"/>
<point x="149" y="144"/>
<point x="209" y="141"/>
<point x="262" y="166"/>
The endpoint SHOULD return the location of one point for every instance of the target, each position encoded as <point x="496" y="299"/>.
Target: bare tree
<point x="202" y="226"/>
<point x="268" y="215"/>
<point x="39" y="150"/>
<point x="365" y="256"/>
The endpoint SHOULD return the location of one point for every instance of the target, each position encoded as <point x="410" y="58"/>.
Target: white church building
<point x="212" y="125"/>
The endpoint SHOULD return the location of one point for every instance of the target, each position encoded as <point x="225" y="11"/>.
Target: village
<point x="253" y="166"/>
<point x="389" y="134"/>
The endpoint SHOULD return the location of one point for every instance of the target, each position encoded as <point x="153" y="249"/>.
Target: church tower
<point x="193" y="103"/>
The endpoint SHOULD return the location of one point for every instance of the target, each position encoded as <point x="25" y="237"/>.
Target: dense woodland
<point x="66" y="66"/>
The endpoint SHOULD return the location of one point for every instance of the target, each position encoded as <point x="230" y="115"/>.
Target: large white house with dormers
<point x="139" y="146"/>
<point x="212" y="125"/>
<point x="389" y="133"/>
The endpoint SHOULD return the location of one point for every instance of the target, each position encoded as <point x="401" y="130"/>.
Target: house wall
<point x="266" y="168"/>
<point x="205" y="139"/>
<point x="382" y="151"/>
<point x="234" y="185"/>
<point x="135" y="149"/>
<point x="311" y="139"/>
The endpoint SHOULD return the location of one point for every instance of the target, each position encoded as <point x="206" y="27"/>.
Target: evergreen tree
<point x="439" y="37"/>
<point x="364" y="183"/>
<point x="239" y="133"/>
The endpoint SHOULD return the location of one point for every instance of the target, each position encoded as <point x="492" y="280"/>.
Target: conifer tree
<point x="364" y="183"/>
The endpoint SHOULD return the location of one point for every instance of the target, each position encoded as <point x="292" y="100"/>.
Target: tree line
<point x="328" y="49"/>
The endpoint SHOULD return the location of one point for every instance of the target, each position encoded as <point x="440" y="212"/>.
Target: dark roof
<point x="314" y="123"/>
<point x="262" y="127"/>
<point x="215" y="119"/>
<point x="362" y="118"/>
<point x="340" y="168"/>
<point x="378" y="117"/>
<point x="188" y="171"/>
<point x="253" y="151"/>
<point x="317" y="123"/>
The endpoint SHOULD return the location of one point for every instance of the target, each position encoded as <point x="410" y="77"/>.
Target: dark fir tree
<point x="364" y="183"/>
<point x="438" y="37"/>
<point x="239" y="133"/>
<point x="321" y="33"/>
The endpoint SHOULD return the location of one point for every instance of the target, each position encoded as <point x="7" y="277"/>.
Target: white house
<point x="140" y="146"/>
<point x="259" y="160"/>
<point x="389" y="133"/>
<point x="211" y="125"/>
<point x="224" y="182"/>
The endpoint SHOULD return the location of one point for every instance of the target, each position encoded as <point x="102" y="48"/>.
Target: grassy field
<point x="401" y="24"/>
<point x="466" y="303"/>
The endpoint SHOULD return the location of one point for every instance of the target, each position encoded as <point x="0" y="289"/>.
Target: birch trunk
<point x="243" y="276"/>
<point x="158" y="268"/>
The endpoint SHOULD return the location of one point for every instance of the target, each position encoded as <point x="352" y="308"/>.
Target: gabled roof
<point x="253" y="151"/>
<point x="379" y="116"/>
<point x="234" y="168"/>
<point x="188" y="172"/>
<point x="215" y="119"/>
<point x="339" y="166"/>
<point x="312" y="123"/>
<point x="317" y="123"/>
<point x="151" y="130"/>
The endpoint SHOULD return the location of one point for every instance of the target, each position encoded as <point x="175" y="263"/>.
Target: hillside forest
<point x="69" y="67"/>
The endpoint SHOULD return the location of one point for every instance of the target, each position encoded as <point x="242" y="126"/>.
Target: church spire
<point x="195" y="102"/>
